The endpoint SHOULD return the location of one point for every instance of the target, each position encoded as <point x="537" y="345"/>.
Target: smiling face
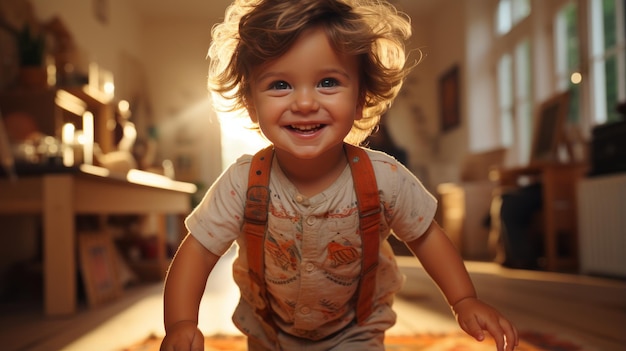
<point x="306" y="101"/>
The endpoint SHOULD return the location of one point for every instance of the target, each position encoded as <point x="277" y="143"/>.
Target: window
<point x="567" y="57"/>
<point x="505" y="99"/>
<point x="607" y="57"/>
<point x="510" y="13"/>
<point x="514" y="79"/>
<point x="584" y="52"/>
<point x="523" y="100"/>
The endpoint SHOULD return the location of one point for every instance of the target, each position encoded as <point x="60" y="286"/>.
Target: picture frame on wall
<point x="98" y="267"/>
<point x="449" y="99"/>
<point x="549" y="128"/>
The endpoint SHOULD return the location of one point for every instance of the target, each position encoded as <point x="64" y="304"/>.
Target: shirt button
<point x="305" y="310"/>
<point x="309" y="267"/>
<point x="299" y="198"/>
<point x="310" y="220"/>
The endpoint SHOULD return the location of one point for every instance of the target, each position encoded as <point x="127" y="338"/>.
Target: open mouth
<point x="306" y="129"/>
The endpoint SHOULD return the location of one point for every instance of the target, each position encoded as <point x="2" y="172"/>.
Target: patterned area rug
<point x="426" y="342"/>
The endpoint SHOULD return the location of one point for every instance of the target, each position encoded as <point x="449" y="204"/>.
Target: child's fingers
<point x="473" y="328"/>
<point x="510" y="333"/>
<point x="503" y="333"/>
<point x="498" y="335"/>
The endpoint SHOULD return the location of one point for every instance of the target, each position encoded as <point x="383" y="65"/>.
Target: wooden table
<point x="559" y="210"/>
<point x="59" y="196"/>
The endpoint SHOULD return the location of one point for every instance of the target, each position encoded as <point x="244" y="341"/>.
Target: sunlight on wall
<point x="238" y="138"/>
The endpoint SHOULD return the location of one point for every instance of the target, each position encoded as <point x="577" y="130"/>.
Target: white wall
<point x="415" y="117"/>
<point x="177" y="72"/>
<point x="479" y="82"/>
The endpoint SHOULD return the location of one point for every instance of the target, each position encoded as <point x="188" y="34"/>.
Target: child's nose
<point x="305" y="101"/>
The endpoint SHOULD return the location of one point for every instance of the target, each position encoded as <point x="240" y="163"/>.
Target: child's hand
<point x="475" y="317"/>
<point x="183" y="336"/>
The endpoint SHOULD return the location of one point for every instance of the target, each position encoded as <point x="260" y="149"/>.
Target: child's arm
<point x="445" y="266"/>
<point x="184" y="287"/>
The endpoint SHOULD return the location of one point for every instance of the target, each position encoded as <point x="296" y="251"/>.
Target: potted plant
<point x="30" y="49"/>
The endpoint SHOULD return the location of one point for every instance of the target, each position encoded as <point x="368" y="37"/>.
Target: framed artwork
<point x="98" y="267"/>
<point x="549" y="128"/>
<point x="449" y="99"/>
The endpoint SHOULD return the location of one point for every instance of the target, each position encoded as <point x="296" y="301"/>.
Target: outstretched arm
<point x="184" y="287"/>
<point x="445" y="266"/>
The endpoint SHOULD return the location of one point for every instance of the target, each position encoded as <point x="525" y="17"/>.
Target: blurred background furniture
<point x="558" y="214"/>
<point x="558" y="160"/>
<point x="602" y="225"/>
<point x="601" y="202"/>
<point x="60" y="196"/>
<point x="465" y="206"/>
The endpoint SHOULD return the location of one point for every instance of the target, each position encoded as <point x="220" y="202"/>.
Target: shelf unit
<point x="47" y="111"/>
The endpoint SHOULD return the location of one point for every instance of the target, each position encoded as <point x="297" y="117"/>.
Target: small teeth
<point x="306" y="127"/>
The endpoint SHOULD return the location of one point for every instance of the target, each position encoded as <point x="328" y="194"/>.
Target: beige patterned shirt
<point x="313" y="247"/>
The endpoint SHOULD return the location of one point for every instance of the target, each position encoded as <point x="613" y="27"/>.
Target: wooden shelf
<point x="42" y="105"/>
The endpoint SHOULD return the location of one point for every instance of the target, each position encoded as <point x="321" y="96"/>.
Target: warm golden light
<point x="95" y="170"/>
<point x="70" y="103"/>
<point x="109" y="88"/>
<point x="576" y="78"/>
<point x="238" y="137"/>
<point x="88" y="135"/>
<point x="156" y="180"/>
<point x="123" y="106"/>
<point x="67" y="137"/>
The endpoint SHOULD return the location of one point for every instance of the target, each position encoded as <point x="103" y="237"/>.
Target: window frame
<point x="515" y="108"/>
<point x="597" y="56"/>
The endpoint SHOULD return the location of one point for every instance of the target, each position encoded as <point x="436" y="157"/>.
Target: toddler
<point x="311" y="213"/>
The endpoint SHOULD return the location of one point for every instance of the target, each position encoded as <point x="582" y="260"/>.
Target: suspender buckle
<point x="257" y="203"/>
<point x="373" y="212"/>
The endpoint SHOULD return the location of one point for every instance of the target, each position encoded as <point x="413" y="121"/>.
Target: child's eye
<point x="328" y="83"/>
<point x="280" y="85"/>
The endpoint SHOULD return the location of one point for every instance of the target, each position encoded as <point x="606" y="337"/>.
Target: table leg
<point x="59" y="246"/>
<point x="549" y="218"/>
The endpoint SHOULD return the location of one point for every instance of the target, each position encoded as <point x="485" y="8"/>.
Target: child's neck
<point x="312" y="176"/>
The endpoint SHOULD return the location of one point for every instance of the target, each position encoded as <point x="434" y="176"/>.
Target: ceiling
<point x="198" y="9"/>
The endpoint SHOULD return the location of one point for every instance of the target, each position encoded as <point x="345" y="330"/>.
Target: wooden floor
<point x="585" y="310"/>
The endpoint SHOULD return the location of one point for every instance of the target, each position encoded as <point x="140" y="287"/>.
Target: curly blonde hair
<point x="256" y="31"/>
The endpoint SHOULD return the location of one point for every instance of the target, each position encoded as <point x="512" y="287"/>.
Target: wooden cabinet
<point x="51" y="108"/>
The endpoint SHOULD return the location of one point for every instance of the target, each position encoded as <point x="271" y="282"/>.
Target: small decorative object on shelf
<point x="29" y="42"/>
<point x="31" y="50"/>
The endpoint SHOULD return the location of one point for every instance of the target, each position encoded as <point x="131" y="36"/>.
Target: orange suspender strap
<point x="255" y="221"/>
<point x="256" y="213"/>
<point x="368" y="201"/>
